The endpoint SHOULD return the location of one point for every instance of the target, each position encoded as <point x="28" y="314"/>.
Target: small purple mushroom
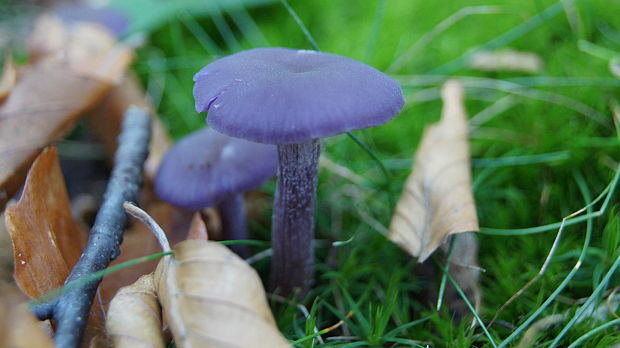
<point x="207" y="168"/>
<point x="292" y="98"/>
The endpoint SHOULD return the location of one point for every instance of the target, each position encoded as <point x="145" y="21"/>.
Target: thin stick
<point x="70" y="311"/>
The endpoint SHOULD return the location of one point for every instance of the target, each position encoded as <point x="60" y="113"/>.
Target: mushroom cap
<point x="206" y="166"/>
<point x="286" y="96"/>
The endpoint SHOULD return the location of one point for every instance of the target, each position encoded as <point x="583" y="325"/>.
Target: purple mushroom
<point x="207" y="168"/>
<point x="292" y="98"/>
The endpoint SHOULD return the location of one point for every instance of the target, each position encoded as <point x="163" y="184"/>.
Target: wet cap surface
<point x="280" y="95"/>
<point x="206" y="166"/>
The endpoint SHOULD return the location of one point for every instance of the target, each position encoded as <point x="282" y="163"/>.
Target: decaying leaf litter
<point x="467" y="265"/>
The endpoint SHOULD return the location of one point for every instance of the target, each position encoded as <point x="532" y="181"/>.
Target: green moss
<point x="369" y="275"/>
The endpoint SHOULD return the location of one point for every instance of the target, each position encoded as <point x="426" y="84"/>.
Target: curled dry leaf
<point x="87" y="48"/>
<point x="437" y="199"/>
<point x="507" y="60"/>
<point x="18" y="327"/>
<point x="134" y="316"/>
<point x="73" y="70"/>
<point x="47" y="242"/>
<point x="212" y="298"/>
<point x="9" y="76"/>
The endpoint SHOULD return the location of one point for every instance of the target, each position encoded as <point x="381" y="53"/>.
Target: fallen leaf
<point x="105" y="122"/>
<point x="212" y="298"/>
<point x="198" y="229"/>
<point x="506" y="60"/>
<point x="73" y="70"/>
<point x="9" y="76"/>
<point x="42" y="107"/>
<point x="46" y="240"/>
<point x="134" y="316"/>
<point x="47" y="39"/>
<point x="18" y="327"/>
<point x="138" y="241"/>
<point x="87" y="48"/>
<point x="437" y="199"/>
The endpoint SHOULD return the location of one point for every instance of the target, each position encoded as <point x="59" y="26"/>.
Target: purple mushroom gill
<point x="207" y="168"/>
<point x="292" y="98"/>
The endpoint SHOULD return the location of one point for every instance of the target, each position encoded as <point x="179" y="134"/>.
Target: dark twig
<point x="70" y="311"/>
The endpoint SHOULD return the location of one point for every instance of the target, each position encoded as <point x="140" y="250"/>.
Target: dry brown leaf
<point x="212" y="298"/>
<point x="198" y="229"/>
<point x="134" y="317"/>
<point x="87" y="48"/>
<point x="18" y="327"/>
<point x="138" y="241"/>
<point x="74" y="69"/>
<point x="9" y="76"/>
<point x="437" y="199"/>
<point x="105" y="122"/>
<point x="47" y="39"/>
<point x="41" y="108"/>
<point x="507" y="60"/>
<point x="46" y="240"/>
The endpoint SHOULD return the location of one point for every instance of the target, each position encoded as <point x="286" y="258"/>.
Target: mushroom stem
<point x="293" y="217"/>
<point x="234" y="225"/>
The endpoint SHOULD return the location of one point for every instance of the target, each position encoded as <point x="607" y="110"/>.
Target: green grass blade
<point x="97" y="275"/>
<point x="254" y="242"/>
<point x="205" y="40"/>
<point x="586" y="243"/>
<point x="471" y="308"/>
<point x="386" y="174"/>
<point x="506" y="38"/>
<point x="607" y="193"/>
<point x="593" y="297"/>
<point x="299" y="22"/>
<point x="440" y="28"/>
<point x="444" y="276"/>
<point x="592" y="332"/>
<point x="374" y="32"/>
